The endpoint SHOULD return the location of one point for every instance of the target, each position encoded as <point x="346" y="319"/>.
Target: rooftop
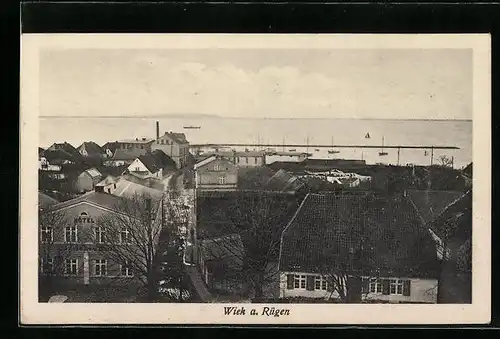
<point x="429" y="204"/>
<point x="357" y="232"/>
<point x="156" y="160"/>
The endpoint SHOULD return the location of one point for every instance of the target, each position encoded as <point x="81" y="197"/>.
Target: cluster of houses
<point x="396" y="245"/>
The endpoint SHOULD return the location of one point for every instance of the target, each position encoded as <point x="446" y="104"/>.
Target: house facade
<point x="74" y="248"/>
<point x="87" y="180"/>
<point x="330" y="249"/>
<point x="175" y="145"/>
<point x="241" y="159"/>
<point x="90" y="149"/>
<point x="216" y="174"/>
<point x="154" y="164"/>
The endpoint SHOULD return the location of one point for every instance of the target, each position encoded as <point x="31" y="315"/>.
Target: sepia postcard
<point x="255" y="179"/>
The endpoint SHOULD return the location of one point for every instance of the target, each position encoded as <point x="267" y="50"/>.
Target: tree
<point x="259" y="219"/>
<point x="131" y="237"/>
<point x="51" y="251"/>
<point x="445" y="161"/>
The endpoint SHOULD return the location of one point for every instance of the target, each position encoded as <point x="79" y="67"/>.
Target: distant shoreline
<point x="235" y="118"/>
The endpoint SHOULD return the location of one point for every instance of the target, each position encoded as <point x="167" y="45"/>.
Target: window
<point x="142" y="146"/>
<point x="246" y="160"/>
<point x="137" y="169"/>
<point x="375" y="286"/>
<point x="396" y="287"/>
<point x="47" y="265"/>
<point x="46" y="234"/>
<point x="217" y="167"/>
<point x="222" y="180"/>
<point x="70" y="234"/>
<point x="114" y="185"/>
<point x="99" y="233"/>
<point x="100" y="267"/>
<point x="299" y="281"/>
<point x="125" y="236"/>
<point x="319" y="283"/>
<point x="125" y="270"/>
<point x="255" y="160"/>
<point x="71" y="266"/>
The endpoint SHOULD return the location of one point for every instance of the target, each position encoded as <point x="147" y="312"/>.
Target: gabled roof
<point x="58" y="154"/>
<point x="92" y="148"/>
<point x="284" y="181"/>
<point x="357" y="233"/>
<point x="112" y="145"/>
<point x="128" y="186"/>
<point x="429" y="204"/>
<point x="45" y="201"/>
<point x="179" y="138"/>
<point x="97" y="198"/>
<point x="131" y="154"/>
<point x="67" y="147"/>
<point x="41" y="152"/>
<point x="156" y="160"/>
<point x="455" y="221"/>
<point x="204" y="162"/>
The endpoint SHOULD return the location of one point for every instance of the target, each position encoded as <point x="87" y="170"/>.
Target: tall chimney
<point x="157" y="130"/>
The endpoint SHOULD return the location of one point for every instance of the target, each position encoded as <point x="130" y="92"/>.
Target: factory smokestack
<point x="157" y="130"/>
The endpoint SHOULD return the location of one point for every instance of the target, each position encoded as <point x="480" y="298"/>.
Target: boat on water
<point x="292" y="150"/>
<point x="382" y="153"/>
<point x="333" y="151"/>
<point x="367" y="136"/>
<point x="317" y="150"/>
<point x="192" y="127"/>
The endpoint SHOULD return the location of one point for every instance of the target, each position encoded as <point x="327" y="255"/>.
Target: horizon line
<point x="177" y="116"/>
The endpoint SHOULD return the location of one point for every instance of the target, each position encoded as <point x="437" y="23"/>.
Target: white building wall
<point x="421" y="290"/>
<point x="137" y="166"/>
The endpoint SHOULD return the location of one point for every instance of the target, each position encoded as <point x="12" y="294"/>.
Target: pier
<point x="221" y="145"/>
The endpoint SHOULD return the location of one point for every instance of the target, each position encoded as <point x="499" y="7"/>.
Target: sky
<point x="272" y="83"/>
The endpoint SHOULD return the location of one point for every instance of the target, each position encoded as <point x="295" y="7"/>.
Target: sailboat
<point x="382" y="153"/>
<point x="333" y="151"/>
<point x="367" y="136"/>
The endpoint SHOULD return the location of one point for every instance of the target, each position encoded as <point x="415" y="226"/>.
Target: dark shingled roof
<point x="59" y="154"/>
<point x="92" y="148"/>
<point x="67" y="148"/>
<point x="45" y="201"/>
<point x="359" y="232"/>
<point x="430" y="204"/>
<point x="284" y="182"/>
<point x="112" y="146"/>
<point x="179" y="138"/>
<point x="156" y="160"/>
<point x="130" y="154"/>
<point x="456" y="217"/>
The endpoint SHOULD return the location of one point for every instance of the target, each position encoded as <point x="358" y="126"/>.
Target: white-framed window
<point x="320" y="283"/>
<point x="46" y="265"/>
<point x="375" y="286"/>
<point x="125" y="270"/>
<point x="396" y="287"/>
<point x="299" y="280"/>
<point x="99" y="234"/>
<point x="71" y="234"/>
<point x="222" y="180"/>
<point x="71" y="266"/>
<point x="216" y="167"/>
<point x="46" y="234"/>
<point x="100" y="267"/>
<point x="255" y="160"/>
<point x="125" y="236"/>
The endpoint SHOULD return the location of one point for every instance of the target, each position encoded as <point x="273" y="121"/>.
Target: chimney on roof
<point x="143" y="139"/>
<point x="157" y="130"/>
<point x="136" y="139"/>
